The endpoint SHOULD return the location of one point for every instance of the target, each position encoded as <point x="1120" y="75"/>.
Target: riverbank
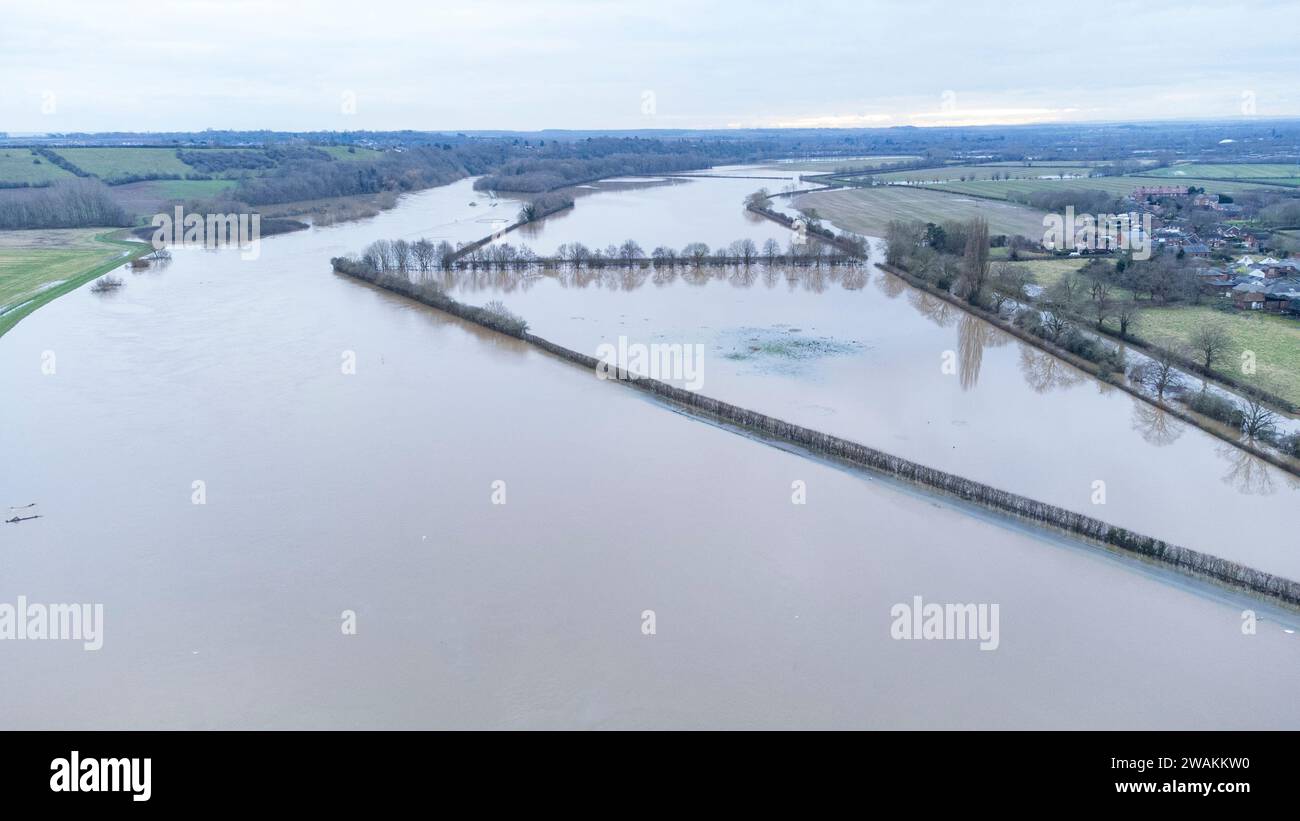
<point x="1192" y="563"/>
<point x="48" y="284"/>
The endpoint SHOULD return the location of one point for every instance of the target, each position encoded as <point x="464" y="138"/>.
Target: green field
<point x="1119" y="186"/>
<point x="18" y="165"/>
<point x="868" y="210"/>
<point x="340" y="152"/>
<point x="115" y="163"/>
<point x="843" y="165"/>
<point x="1274" y="339"/>
<point x="1229" y="171"/>
<point x="1048" y="272"/>
<point x="37" y="267"/>
<point x="984" y="172"/>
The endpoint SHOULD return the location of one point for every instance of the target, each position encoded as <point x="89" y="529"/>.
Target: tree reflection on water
<point x="1044" y="372"/>
<point x="1155" y="425"/>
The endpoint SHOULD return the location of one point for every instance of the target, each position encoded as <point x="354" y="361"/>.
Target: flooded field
<point x="670" y="211"/>
<point x="350" y="447"/>
<point x="860" y="354"/>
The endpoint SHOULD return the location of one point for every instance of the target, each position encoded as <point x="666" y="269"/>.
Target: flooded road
<point x="372" y="492"/>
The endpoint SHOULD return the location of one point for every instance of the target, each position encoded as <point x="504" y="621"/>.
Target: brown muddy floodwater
<point x="372" y="492"/>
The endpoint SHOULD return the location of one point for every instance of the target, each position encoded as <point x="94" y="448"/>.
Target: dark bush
<point x="1217" y="407"/>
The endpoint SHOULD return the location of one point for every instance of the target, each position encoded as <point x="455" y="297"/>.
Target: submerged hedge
<point x="433" y="296"/>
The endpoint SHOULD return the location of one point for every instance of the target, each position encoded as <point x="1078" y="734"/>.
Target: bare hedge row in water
<point x="494" y="315"/>
<point x="1189" y="561"/>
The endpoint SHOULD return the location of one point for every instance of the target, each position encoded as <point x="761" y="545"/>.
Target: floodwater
<point x="860" y="354"/>
<point x="329" y="494"/>
<point x="668" y="211"/>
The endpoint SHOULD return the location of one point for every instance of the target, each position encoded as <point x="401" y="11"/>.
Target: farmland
<point x="985" y="172"/>
<point x="839" y="164"/>
<point x="341" y="152"/>
<point x="1047" y="272"/>
<point x="1274" y="339"/>
<point x="1119" y="186"/>
<point x="869" y="210"/>
<point x="111" y="164"/>
<point x="20" y="166"/>
<point x="119" y="165"/>
<point x="1230" y="171"/>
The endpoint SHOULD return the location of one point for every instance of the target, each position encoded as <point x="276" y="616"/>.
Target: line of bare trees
<point x="75" y="203"/>
<point x="422" y="256"/>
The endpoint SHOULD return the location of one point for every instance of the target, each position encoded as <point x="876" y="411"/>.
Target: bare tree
<point x="903" y="237"/>
<point x="402" y="255"/>
<point x="771" y="250"/>
<point x="745" y="250"/>
<point x="1211" y="343"/>
<point x="1009" y="283"/>
<point x="581" y="254"/>
<point x="1258" y="420"/>
<point x="424" y="254"/>
<point x="1100" y="303"/>
<point x="1127" y="313"/>
<point x="1160" y="372"/>
<point x="629" y="251"/>
<point x="975" y="261"/>
<point x="697" y="251"/>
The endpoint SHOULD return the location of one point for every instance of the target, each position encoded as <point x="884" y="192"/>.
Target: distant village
<point x="1230" y="261"/>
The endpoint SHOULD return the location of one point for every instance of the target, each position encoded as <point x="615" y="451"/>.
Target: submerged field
<point x="869" y="210"/>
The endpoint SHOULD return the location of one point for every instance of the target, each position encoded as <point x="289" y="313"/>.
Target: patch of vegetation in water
<point x="781" y="348"/>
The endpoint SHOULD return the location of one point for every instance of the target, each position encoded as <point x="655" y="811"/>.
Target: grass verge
<point x="76" y="280"/>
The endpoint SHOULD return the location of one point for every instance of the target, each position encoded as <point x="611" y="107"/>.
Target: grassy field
<point x="1274" y="339"/>
<point x="110" y="164"/>
<point x="844" y="165"/>
<point x="1048" y="272"/>
<point x="114" y="163"/>
<point x="869" y="210"/>
<point x="1229" y="171"/>
<point x="340" y="152"/>
<point x="37" y="267"/>
<point x="1119" y="186"/>
<point x="21" y="165"/>
<point x="984" y="172"/>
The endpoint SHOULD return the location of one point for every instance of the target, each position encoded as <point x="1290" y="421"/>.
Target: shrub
<point x="1029" y="319"/>
<point x="1217" y="407"/>
<point x="106" y="283"/>
<point x="1290" y="445"/>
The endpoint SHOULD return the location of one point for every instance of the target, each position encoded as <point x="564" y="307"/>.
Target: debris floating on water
<point x="22" y="513"/>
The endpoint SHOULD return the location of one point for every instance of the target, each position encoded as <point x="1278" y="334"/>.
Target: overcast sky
<point x="73" y="65"/>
